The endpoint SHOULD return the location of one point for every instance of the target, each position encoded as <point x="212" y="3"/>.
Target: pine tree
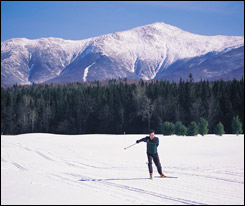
<point x="226" y="108"/>
<point x="236" y="126"/>
<point x="144" y="105"/>
<point x="219" y="130"/>
<point x="203" y="127"/>
<point x="180" y="129"/>
<point x="192" y="129"/>
<point x="168" y="128"/>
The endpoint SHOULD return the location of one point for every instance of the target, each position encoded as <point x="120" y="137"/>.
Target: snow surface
<point x="95" y="169"/>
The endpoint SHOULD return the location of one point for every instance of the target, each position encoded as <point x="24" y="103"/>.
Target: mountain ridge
<point x="145" y="52"/>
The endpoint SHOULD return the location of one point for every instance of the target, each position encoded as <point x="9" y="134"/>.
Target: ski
<point x="165" y="177"/>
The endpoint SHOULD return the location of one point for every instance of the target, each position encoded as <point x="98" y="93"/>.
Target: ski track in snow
<point x="128" y="188"/>
<point x="214" y="178"/>
<point x="18" y="166"/>
<point x="141" y="191"/>
<point x="69" y="161"/>
<point x="44" y="156"/>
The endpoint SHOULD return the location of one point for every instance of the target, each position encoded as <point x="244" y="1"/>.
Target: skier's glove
<point x="137" y="141"/>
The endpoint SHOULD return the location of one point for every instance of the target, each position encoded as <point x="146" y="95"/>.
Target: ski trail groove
<point x="141" y="191"/>
<point x="44" y="156"/>
<point x="3" y="160"/>
<point x="93" y="166"/>
<point x="215" y="178"/>
<point x="175" y="199"/>
<point x="18" y="166"/>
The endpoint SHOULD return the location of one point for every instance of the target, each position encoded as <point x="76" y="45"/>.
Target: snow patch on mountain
<point x="86" y="72"/>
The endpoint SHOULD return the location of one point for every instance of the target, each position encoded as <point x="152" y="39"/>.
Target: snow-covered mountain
<point x="155" y="51"/>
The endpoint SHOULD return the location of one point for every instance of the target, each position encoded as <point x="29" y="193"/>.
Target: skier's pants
<point x="156" y="160"/>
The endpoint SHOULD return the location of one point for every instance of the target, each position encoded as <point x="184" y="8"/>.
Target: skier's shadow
<point x="113" y="179"/>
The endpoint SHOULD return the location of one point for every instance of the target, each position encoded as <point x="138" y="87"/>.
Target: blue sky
<point x="80" y="20"/>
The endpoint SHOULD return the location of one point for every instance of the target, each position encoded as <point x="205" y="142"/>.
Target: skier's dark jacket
<point x="151" y="144"/>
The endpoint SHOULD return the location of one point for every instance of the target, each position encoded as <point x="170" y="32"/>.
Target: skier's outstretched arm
<point x="141" y="140"/>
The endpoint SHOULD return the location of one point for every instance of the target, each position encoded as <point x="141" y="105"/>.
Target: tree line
<point x="118" y="106"/>
<point x="201" y="128"/>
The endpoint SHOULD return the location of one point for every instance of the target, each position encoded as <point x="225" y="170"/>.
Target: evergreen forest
<point x="118" y="106"/>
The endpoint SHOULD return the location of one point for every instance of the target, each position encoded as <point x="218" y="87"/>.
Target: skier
<point x="152" y="144"/>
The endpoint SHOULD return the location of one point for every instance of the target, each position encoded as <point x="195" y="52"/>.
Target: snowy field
<point x="95" y="169"/>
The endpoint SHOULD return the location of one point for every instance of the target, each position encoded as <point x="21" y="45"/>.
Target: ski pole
<point x="130" y="146"/>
